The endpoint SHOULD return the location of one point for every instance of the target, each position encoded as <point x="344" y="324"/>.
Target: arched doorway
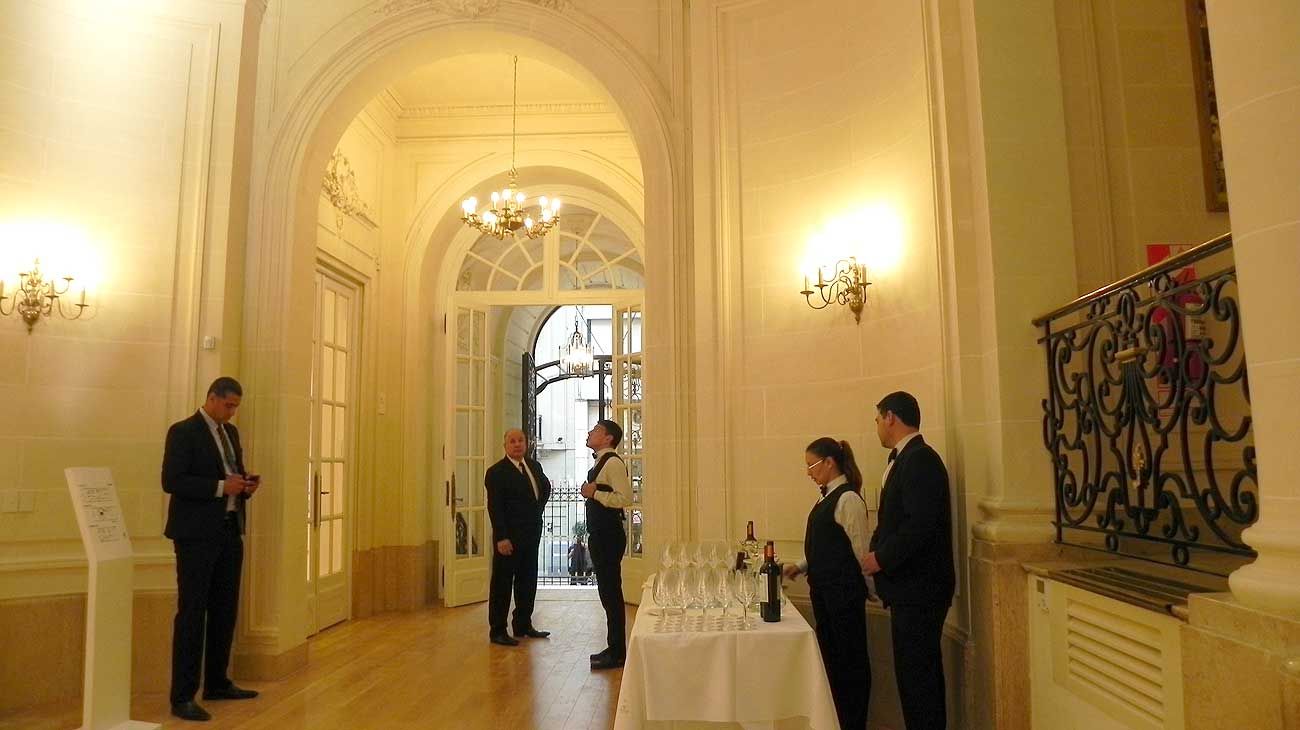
<point x="324" y="90"/>
<point x="506" y="292"/>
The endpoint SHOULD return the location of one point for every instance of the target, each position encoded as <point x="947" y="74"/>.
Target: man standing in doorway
<point x="517" y="490"/>
<point x="608" y="491"/>
<point x="911" y="559"/>
<point x="203" y="471"/>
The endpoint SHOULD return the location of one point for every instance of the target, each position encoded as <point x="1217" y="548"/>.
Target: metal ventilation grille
<point x="1117" y="657"/>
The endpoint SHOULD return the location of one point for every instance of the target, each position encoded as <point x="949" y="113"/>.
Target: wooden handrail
<point x="1210" y="247"/>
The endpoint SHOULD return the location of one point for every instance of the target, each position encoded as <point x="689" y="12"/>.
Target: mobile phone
<point x="254" y="478"/>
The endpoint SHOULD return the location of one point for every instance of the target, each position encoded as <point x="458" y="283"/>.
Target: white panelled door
<point x="468" y="534"/>
<point x="331" y="468"/>
<point x="629" y="366"/>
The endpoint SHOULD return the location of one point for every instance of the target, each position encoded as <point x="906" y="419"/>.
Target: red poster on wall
<point x="1184" y="328"/>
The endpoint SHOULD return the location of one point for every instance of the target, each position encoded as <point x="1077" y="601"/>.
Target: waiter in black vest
<point x="608" y="491"/>
<point x="517" y="490"/>
<point x="911" y="559"/>
<point x="835" y="545"/>
<point x="203" y="471"/>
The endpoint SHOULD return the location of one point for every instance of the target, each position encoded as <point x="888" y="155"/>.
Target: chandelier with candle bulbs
<point x="507" y="215"/>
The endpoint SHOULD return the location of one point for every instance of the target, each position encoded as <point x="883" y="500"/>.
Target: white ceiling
<point x="478" y="79"/>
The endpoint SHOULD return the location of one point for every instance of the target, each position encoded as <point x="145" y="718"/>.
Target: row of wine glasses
<point x="681" y="591"/>
<point x="715" y="554"/>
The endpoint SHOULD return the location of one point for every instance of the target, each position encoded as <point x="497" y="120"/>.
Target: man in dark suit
<point x="203" y="471"/>
<point x="517" y="490"/>
<point x="911" y="559"/>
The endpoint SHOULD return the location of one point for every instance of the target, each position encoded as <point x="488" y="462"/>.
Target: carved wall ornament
<point x="340" y="186"/>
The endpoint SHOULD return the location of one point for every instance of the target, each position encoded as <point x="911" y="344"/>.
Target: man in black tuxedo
<point x="517" y="490"/>
<point x="203" y="471"/>
<point x="911" y="559"/>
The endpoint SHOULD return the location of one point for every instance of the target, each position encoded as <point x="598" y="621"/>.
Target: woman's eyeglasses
<point x="815" y="463"/>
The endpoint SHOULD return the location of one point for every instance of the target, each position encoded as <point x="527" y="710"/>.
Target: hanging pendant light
<point x="575" y="355"/>
<point x="507" y="215"/>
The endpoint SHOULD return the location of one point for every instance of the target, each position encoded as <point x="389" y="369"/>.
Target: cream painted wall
<point x="138" y="154"/>
<point x="1132" y="134"/>
<point x="828" y="114"/>
<point x="147" y="156"/>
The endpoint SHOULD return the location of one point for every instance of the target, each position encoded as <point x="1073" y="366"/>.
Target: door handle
<point x="315" y="510"/>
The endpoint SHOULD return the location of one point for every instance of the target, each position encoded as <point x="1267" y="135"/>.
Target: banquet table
<point x="770" y="676"/>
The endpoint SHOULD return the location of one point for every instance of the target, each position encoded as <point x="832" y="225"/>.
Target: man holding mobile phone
<point x="203" y="471"/>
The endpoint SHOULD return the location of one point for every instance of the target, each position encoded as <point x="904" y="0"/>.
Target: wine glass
<point x="743" y="588"/>
<point x="666" y="559"/>
<point x="661" y="587"/>
<point x="721" y="586"/>
<point x="700" y="591"/>
<point x="700" y="555"/>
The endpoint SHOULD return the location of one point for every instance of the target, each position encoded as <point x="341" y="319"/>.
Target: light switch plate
<point x="26" y="501"/>
<point x="209" y="342"/>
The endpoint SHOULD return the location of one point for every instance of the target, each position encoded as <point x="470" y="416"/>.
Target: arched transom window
<point x="590" y="252"/>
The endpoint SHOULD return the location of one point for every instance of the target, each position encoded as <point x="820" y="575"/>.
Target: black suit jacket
<point x="514" y="512"/>
<point x="190" y="471"/>
<point x="913" y="539"/>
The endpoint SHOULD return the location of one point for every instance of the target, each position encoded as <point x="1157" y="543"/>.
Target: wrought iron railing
<point x="563" y="525"/>
<point x="1147" y="418"/>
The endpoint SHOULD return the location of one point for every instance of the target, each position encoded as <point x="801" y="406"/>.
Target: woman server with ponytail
<point x="835" y="544"/>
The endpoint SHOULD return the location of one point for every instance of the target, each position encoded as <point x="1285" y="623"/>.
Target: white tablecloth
<point x="769" y="677"/>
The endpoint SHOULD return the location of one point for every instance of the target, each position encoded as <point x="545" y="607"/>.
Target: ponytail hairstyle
<point x="828" y="448"/>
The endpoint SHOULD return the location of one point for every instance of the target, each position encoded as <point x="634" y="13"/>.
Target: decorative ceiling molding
<point x="467" y="8"/>
<point x="492" y="110"/>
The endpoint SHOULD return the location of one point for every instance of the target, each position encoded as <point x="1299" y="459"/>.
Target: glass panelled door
<point x="628" y="364"/>
<point x="468" y="534"/>
<point x="330" y="471"/>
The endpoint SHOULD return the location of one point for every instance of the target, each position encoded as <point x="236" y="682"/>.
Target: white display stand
<point x="109" y="600"/>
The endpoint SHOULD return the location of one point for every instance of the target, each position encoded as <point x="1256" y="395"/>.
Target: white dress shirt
<point x="613" y="473"/>
<point x="851" y="515"/>
<point x="523" y="467"/>
<point x="898" y="449"/>
<point x="212" y="429"/>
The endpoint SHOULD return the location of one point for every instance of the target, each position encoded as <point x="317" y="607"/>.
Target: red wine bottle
<point x="770" y="609"/>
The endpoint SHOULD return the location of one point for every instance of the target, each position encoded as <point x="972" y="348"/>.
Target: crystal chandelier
<point x="575" y="355"/>
<point x="507" y="216"/>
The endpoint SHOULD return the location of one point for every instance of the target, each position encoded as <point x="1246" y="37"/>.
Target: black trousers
<point x="517" y="571"/>
<point x="607" y="547"/>
<point x="842" y="637"/>
<point x="918" y="665"/>
<point x="207" y="602"/>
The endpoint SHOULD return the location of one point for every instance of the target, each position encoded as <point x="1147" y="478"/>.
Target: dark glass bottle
<point x="750" y="544"/>
<point x="771" y="572"/>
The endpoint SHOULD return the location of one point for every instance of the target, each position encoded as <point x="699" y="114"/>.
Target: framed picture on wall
<point x="1207" y="109"/>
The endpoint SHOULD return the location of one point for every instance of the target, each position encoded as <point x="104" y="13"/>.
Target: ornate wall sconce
<point x="846" y="285"/>
<point x="40" y="297"/>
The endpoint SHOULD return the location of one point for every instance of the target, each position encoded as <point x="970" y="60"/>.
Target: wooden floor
<point x="431" y="669"/>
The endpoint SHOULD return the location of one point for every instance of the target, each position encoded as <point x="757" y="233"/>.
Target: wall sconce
<point x="846" y="285"/>
<point x="39" y="297"/>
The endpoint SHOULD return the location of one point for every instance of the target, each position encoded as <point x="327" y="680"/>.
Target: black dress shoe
<point x="608" y="661"/>
<point x="229" y="693"/>
<point x="503" y="640"/>
<point x="532" y="633"/>
<point x="190" y="711"/>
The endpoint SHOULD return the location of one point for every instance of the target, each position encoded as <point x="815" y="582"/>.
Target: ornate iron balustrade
<point x="1147" y="418"/>
<point x="564" y="511"/>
